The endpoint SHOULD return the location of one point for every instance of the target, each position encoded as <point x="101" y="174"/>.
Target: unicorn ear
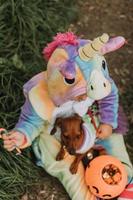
<point x="113" y="44"/>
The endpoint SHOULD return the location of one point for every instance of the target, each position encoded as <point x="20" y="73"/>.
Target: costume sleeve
<point x="29" y="122"/>
<point x="108" y="107"/>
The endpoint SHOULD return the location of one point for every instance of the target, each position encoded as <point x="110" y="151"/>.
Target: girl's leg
<point x="75" y="185"/>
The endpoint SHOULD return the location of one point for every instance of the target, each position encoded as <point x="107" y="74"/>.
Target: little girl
<point x="57" y="89"/>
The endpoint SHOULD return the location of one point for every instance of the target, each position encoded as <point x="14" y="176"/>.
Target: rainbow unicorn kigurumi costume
<point x="75" y="67"/>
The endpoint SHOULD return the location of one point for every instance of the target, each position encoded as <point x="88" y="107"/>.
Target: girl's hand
<point x="14" y="139"/>
<point x="104" y="131"/>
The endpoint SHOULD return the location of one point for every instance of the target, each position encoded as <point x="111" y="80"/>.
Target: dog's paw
<point x="59" y="157"/>
<point x="73" y="168"/>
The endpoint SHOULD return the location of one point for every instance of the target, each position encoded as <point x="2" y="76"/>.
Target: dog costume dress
<point x="75" y="66"/>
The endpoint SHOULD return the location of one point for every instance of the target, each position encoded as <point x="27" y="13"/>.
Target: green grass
<point x="17" y="173"/>
<point x="11" y="97"/>
<point x="26" y="27"/>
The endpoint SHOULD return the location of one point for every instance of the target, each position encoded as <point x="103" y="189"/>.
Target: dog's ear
<point x="56" y="124"/>
<point x="53" y="131"/>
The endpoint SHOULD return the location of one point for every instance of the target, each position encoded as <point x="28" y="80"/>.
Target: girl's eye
<point x="69" y="81"/>
<point x="103" y="64"/>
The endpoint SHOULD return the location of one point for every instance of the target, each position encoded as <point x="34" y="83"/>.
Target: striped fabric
<point x="127" y="194"/>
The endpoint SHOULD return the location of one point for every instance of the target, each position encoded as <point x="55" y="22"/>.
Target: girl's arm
<point x="108" y="108"/>
<point x="30" y="124"/>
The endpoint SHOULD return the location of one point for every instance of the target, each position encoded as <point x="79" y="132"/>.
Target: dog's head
<point x="72" y="135"/>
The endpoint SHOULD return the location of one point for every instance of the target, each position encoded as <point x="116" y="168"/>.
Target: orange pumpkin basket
<point x="106" y="177"/>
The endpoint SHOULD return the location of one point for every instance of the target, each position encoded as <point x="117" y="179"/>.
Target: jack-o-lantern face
<point x="106" y="177"/>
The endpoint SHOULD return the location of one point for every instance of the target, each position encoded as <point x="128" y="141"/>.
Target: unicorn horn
<point x="89" y="50"/>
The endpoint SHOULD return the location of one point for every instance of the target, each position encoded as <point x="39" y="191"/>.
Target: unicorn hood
<point x="75" y="66"/>
<point x="79" y="65"/>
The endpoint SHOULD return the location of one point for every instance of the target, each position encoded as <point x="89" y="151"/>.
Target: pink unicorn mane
<point x="58" y="40"/>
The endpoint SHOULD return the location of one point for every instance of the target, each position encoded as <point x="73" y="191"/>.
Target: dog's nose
<point x="72" y="151"/>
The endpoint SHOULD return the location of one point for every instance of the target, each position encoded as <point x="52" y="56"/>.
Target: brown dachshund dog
<point x="72" y="138"/>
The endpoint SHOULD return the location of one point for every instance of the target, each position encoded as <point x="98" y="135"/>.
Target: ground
<point x="95" y="18"/>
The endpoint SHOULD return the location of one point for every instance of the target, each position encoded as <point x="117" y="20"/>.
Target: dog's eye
<point x="78" y="136"/>
<point x="66" y="137"/>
